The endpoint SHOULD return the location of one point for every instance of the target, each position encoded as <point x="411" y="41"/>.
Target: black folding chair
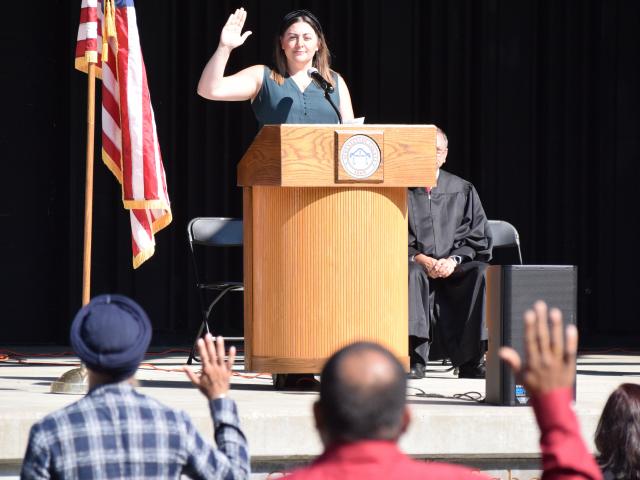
<point x="212" y="232"/>
<point x="505" y="235"/>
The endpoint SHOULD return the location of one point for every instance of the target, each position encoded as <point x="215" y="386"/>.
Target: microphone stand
<point x="326" y="95"/>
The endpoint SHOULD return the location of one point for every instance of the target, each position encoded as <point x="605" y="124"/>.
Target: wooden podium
<point x="325" y="253"/>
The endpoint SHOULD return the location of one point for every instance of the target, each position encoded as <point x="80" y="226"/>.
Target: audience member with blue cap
<point x="117" y="432"/>
<point x="111" y="335"/>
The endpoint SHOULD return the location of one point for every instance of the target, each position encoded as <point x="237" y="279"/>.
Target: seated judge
<point x="449" y="247"/>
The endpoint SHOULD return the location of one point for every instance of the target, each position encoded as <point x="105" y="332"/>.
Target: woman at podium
<point x="300" y="88"/>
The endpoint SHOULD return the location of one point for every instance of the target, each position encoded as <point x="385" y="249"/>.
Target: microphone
<point x="315" y="75"/>
<point x="327" y="87"/>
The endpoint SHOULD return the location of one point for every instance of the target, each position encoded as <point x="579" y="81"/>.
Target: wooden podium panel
<point x="324" y="266"/>
<point x="303" y="155"/>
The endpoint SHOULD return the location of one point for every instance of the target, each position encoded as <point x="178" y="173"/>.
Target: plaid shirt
<point x="116" y="432"/>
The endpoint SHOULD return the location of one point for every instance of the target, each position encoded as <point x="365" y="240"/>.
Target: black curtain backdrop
<point x="540" y="100"/>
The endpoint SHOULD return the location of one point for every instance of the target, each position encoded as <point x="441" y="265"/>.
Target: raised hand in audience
<point x="216" y="373"/>
<point x="550" y="359"/>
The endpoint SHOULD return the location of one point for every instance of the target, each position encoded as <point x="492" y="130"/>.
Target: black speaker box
<point x="512" y="289"/>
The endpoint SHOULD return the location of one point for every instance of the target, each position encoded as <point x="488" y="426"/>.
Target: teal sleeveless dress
<point x="276" y="104"/>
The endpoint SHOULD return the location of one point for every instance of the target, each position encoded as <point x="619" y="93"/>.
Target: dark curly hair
<point x="618" y="433"/>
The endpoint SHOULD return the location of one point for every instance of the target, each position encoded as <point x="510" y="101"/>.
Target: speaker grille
<point x="513" y="290"/>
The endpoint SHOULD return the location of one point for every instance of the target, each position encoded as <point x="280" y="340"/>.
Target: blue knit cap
<point x="111" y="335"/>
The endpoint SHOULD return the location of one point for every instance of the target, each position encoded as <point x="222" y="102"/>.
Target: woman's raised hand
<point x="231" y="35"/>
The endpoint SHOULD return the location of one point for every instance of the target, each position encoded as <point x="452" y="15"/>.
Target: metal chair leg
<point x="205" y="324"/>
<point x="192" y="354"/>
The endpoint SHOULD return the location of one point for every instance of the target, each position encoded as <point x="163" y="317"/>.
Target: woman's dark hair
<point x="618" y="433"/>
<point x="322" y="58"/>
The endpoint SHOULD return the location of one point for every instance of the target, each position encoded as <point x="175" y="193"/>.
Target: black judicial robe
<point x="448" y="221"/>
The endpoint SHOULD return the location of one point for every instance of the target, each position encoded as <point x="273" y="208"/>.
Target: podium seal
<point x="360" y="156"/>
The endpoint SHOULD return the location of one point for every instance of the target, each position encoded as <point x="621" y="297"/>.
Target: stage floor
<point x="279" y="426"/>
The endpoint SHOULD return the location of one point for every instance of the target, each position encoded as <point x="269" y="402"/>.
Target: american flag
<point x="108" y="36"/>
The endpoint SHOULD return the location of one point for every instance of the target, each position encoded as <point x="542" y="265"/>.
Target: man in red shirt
<point x="362" y="410"/>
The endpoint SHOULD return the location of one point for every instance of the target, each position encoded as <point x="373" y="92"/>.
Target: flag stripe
<point x="134" y="102"/>
<point x="150" y="152"/>
<point x="88" y="31"/>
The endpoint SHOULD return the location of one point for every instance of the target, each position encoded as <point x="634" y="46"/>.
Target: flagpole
<point x="88" y="191"/>
<point x="75" y="380"/>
